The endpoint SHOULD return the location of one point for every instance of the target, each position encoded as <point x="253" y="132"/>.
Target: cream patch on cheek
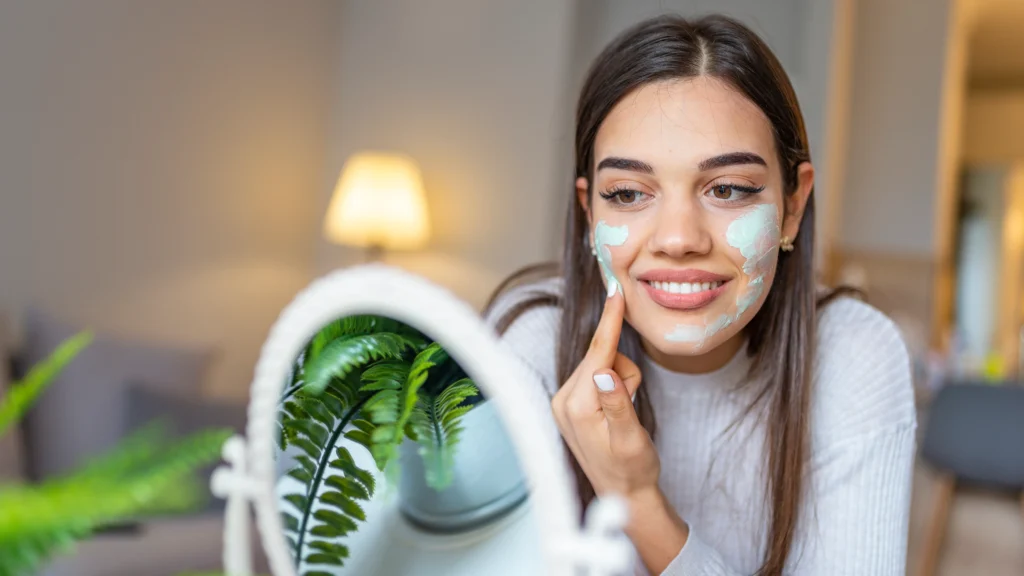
<point x="756" y="234"/>
<point x="605" y="236"/>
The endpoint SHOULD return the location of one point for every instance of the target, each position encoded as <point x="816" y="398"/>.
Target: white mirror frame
<point x="250" y="475"/>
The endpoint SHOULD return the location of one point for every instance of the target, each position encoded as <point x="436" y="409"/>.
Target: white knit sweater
<point x="855" y="520"/>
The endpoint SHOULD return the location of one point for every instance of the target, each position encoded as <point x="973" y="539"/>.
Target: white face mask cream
<point x="756" y="234"/>
<point x="605" y="236"/>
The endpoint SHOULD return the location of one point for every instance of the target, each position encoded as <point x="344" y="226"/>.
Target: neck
<point x="709" y="361"/>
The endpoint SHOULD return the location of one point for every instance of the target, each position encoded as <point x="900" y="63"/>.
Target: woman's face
<point x="686" y="212"/>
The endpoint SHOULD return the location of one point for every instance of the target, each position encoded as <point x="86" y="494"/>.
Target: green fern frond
<point x="329" y="476"/>
<point x="337" y="550"/>
<point x="344" y="504"/>
<point x="361" y="325"/>
<point x="346" y="464"/>
<point x="314" y="431"/>
<point x="348" y="486"/>
<point x="391" y="409"/>
<point x="385" y="375"/>
<point x="22" y="394"/>
<point x="141" y="477"/>
<point x="340" y="357"/>
<point x="436" y="424"/>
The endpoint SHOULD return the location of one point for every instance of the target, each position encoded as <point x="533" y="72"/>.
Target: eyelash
<point x="744" y="191"/>
<point x="614" y="195"/>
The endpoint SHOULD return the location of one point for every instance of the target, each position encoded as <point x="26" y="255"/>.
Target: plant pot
<point x="487" y="480"/>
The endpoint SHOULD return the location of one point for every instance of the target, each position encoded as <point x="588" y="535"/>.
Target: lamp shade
<point x="378" y="201"/>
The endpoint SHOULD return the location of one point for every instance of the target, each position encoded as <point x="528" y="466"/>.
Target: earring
<point x="786" y="244"/>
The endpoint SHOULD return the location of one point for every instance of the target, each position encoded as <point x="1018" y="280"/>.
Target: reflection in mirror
<point x="391" y="461"/>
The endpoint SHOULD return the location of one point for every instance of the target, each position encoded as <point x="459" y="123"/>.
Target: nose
<point x="680" y="229"/>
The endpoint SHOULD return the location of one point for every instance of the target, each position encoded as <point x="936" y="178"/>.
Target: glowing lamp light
<point x="379" y="204"/>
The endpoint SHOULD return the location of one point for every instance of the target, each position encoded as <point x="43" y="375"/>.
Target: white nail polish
<point x="604" y="382"/>
<point x="611" y="289"/>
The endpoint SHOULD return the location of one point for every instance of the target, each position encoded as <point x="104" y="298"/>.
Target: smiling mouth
<point x="684" y="295"/>
<point x="685" y="287"/>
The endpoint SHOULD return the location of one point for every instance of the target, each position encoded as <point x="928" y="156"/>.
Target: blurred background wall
<point x="166" y="166"/>
<point x="478" y="93"/>
<point x="160" y="165"/>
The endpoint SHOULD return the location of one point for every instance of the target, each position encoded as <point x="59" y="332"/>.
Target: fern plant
<point x="145" y="474"/>
<point x="375" y="381"/>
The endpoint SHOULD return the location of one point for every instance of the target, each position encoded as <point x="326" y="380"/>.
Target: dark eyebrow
<point x="626" y="164"/>
<point x="730" y="159"/>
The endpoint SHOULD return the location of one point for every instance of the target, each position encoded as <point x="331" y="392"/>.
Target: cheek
<point x="627" y="246"/>
<point x="755" y="236"/>
<point x="626" y="254"/>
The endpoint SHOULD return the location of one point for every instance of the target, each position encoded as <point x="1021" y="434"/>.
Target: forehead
<point x="684" y="121"/>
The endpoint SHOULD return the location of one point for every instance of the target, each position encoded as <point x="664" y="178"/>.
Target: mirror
<point x="392" y="461"/>
<point x="338" y="393"/>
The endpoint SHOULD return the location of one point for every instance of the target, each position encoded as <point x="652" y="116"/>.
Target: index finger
<point x="605" y="343"/>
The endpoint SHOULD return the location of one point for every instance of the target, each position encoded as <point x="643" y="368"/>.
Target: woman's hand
<point x="595" y="414"/>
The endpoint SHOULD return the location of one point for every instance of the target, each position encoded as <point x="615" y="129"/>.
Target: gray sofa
<point x="113" y="387"/>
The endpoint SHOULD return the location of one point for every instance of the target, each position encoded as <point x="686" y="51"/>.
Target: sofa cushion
<point x="81" y="415"/>
<point x="184" y="415"/>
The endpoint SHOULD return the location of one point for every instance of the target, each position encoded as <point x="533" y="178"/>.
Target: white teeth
<point x="685" y="287"/>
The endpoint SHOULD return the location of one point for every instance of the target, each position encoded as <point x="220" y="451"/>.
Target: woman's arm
<point x="657" y="531"/>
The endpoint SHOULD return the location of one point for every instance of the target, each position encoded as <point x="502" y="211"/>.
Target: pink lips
<point x="676" y="301"/>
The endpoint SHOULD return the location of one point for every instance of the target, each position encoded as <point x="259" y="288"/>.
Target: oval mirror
<point x="389" y="434"/>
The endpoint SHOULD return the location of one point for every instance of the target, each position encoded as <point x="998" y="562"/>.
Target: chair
<point x="974" y="434"/>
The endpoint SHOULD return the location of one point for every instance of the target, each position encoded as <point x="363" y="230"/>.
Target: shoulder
<point x="507" y="301"/>
<point x="862" y="373"/>
<point x="532" y="334"/>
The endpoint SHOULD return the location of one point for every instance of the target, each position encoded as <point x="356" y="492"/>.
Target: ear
<point x="797" y="201"/>
<point x="583" y="197"/>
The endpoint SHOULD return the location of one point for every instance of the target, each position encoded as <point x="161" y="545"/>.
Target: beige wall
<point x="994" y="127"/>
<point x="160" y="163"/>
<point x="892" y="172"/>
<point x="475" y="92"/>
<point x="896" y="159"/>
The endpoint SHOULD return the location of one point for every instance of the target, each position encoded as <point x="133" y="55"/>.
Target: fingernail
<point x="604" y="382"/>
<point x="611" y="289"/>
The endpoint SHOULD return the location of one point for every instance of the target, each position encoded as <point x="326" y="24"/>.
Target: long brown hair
<point x="781" y="336"/>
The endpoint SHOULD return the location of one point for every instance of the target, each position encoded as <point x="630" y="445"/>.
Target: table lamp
<point x="378" y="204"/>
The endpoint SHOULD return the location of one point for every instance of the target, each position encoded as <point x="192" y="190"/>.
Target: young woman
<point x="785" y="418"/>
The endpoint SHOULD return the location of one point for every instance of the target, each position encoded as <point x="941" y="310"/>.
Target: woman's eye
<point x="628" y="196"/>
<point x="624" y="197"/>
<point x="733" y="192"/>
<point x="722" y="192"/>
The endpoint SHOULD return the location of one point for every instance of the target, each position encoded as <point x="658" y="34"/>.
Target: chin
<point x="682" y="349"/>
<point x="656" y="335"/>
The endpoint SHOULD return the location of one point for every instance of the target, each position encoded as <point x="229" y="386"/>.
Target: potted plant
<point x="147" y="473"/>
<point x="388" y="387"/>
